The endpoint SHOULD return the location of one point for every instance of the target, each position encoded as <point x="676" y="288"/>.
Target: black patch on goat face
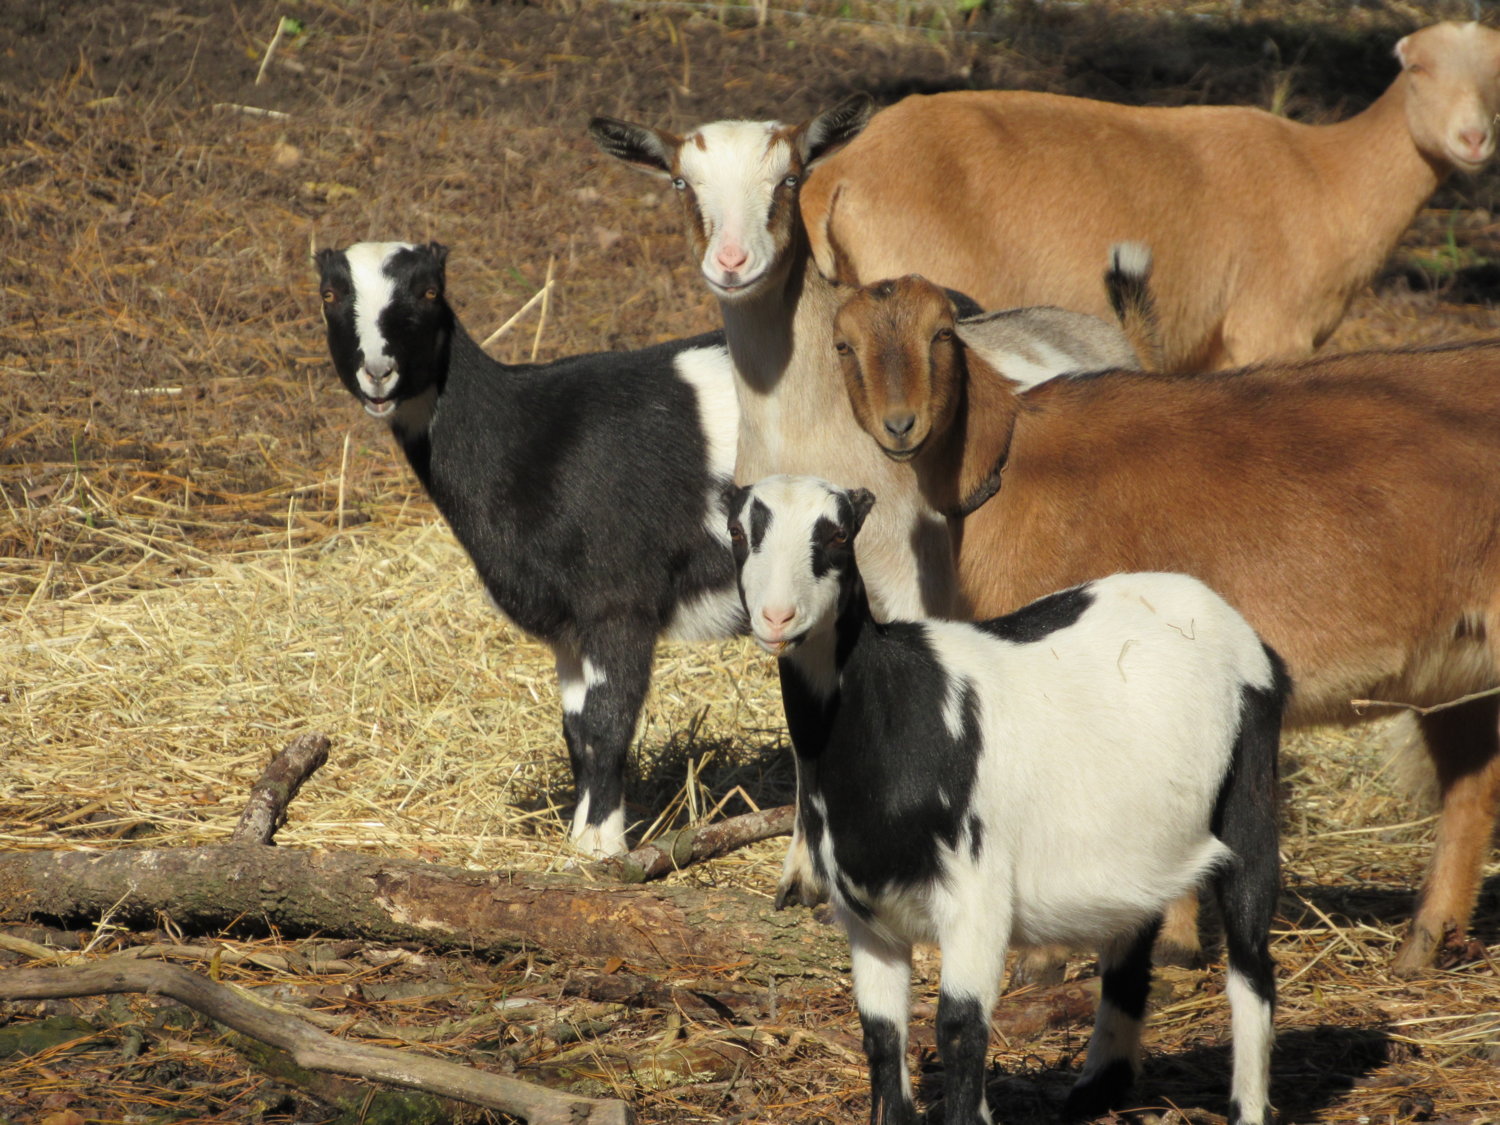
<point x="760" y="523"/>
<point x="1033" y="622"/>
<point x="336" y="292"/>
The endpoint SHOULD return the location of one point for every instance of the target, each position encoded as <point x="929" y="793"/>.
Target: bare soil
<point x="191" y="502"/>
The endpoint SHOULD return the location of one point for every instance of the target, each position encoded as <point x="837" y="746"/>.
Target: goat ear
<point x="325" y="258"/>
<point x="439" y="254"/>
<point x="650" y="150"/>
<point x="737" y="495"/>
<point x="829" y="130"/>
<point x="861" y="500"/>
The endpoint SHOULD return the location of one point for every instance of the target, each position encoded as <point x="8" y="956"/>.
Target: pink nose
<point x="1473" y="140"/>
<point x="731" y="256"/>
<point x="777" y="619"/>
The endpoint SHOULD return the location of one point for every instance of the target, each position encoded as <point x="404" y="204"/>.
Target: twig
<point x="253" y="110"/>
<point x="1459" y="702"/>
<point x="314" y="1049"/>
<point x="541" y="320"/>
<point x="265" y="812"/>
<point x="676" y="850"/>
<point x="270" y="50"/>
<point x="519" y="313"/>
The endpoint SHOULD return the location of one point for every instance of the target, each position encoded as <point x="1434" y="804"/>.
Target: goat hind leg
<point x="1464" y="745"/>
<point x="1110" y="1067"/>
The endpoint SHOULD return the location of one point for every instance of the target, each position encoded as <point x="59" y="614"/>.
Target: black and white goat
<point x="1057" y="775"/>
<point x="590" y="493"/>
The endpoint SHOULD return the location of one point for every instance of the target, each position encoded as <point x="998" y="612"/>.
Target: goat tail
<point x="1128" y="282"/>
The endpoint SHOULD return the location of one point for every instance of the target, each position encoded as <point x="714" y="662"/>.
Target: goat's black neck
<point x="457" y="365"/>
<point x="810" y="676"/>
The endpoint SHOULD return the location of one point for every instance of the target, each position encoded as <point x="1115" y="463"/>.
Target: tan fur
<point x="1348" y="506"/>
<point x="1263" y="229"/>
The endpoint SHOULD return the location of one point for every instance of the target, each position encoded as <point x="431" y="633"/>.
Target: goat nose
<point x="899" y="425"/>
<point x="1474" y="139"/>
<point x="777" y="618"/>
<point x="732" y="256"/>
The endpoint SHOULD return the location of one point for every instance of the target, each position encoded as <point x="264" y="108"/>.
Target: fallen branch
<point x="265" y="812"/>
<point x="675" y="850"/>
<point x="299" y="892"/>
<point x="313" y="1049"/>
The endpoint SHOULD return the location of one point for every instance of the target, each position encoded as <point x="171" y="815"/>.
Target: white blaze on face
<point x="734" y="168"/>
<point x="373" y="291"/>
<point x="785" y="600"/>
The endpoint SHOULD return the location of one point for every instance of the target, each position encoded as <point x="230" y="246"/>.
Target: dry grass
<point x="207" y="549"/>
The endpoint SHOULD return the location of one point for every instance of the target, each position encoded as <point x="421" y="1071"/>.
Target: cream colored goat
<point x="1263" y="228"/>
<point x="738" y="181"/>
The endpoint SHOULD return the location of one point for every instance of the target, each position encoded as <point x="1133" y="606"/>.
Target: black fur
<point x="1244" y="819"/>
<point x="1048" y="614"/>
<point x="888" y="1085"/>
<point x="579" y="489"/>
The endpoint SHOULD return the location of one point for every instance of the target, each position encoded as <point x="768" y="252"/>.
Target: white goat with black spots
<point x="588" y="492"/>
<point x="1058" y="775"/>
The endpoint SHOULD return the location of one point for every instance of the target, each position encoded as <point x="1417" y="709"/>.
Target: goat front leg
<point x="1464" y="744"/>
<point x="973" y="961"/>
<point x="603" y="687"/>
<point x="882" y="993"/>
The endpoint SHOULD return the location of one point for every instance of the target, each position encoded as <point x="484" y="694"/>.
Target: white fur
<point x="1252" y="1032"/>
<point x="733" y="168"/>
<point x="598" y="840"/>
<point x="373" y="290"/>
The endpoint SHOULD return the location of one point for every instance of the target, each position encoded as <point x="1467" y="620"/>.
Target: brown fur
<point x="1263" y="229"/>
<point x="1348" y="506"/>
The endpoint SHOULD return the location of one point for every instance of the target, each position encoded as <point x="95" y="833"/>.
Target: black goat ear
<point x="645" y="148"/>
<point x="325" y="258"/>
<point x="439" y="254"/>
<point x="737" y="497"/>
<point x="839" y="125"/>
<point x="861" y="500"/>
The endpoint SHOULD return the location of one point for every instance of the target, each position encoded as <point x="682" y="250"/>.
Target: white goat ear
<point x="650" y="150"/>
<point x="1401" y="49"/>
<point x="826" y="132"/>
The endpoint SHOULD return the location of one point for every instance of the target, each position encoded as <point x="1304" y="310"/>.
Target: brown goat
<point x="1263" y="228"/>
<point x="1349" y="506"/>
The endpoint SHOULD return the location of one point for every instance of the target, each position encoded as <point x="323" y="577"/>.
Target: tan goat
<point x="1263" y="228"/>
<point x="1349" y="506"/>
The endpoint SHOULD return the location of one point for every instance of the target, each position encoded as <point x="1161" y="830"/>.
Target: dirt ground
<point x="196" y="516"/>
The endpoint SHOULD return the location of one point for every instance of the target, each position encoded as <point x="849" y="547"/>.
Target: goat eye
<point x="942" y="334"/>
<point x="430" y="294"/>
<point x="838" y="538"/>
<point x="329" y="296"/>
<point x="842" y="347"/>
<point x="736" y="533"/>
<point x="679" y="183"/>
<point x="793" y="180"/>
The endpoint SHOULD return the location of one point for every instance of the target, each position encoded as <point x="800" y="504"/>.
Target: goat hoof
<point x="1098" y="1094"/>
